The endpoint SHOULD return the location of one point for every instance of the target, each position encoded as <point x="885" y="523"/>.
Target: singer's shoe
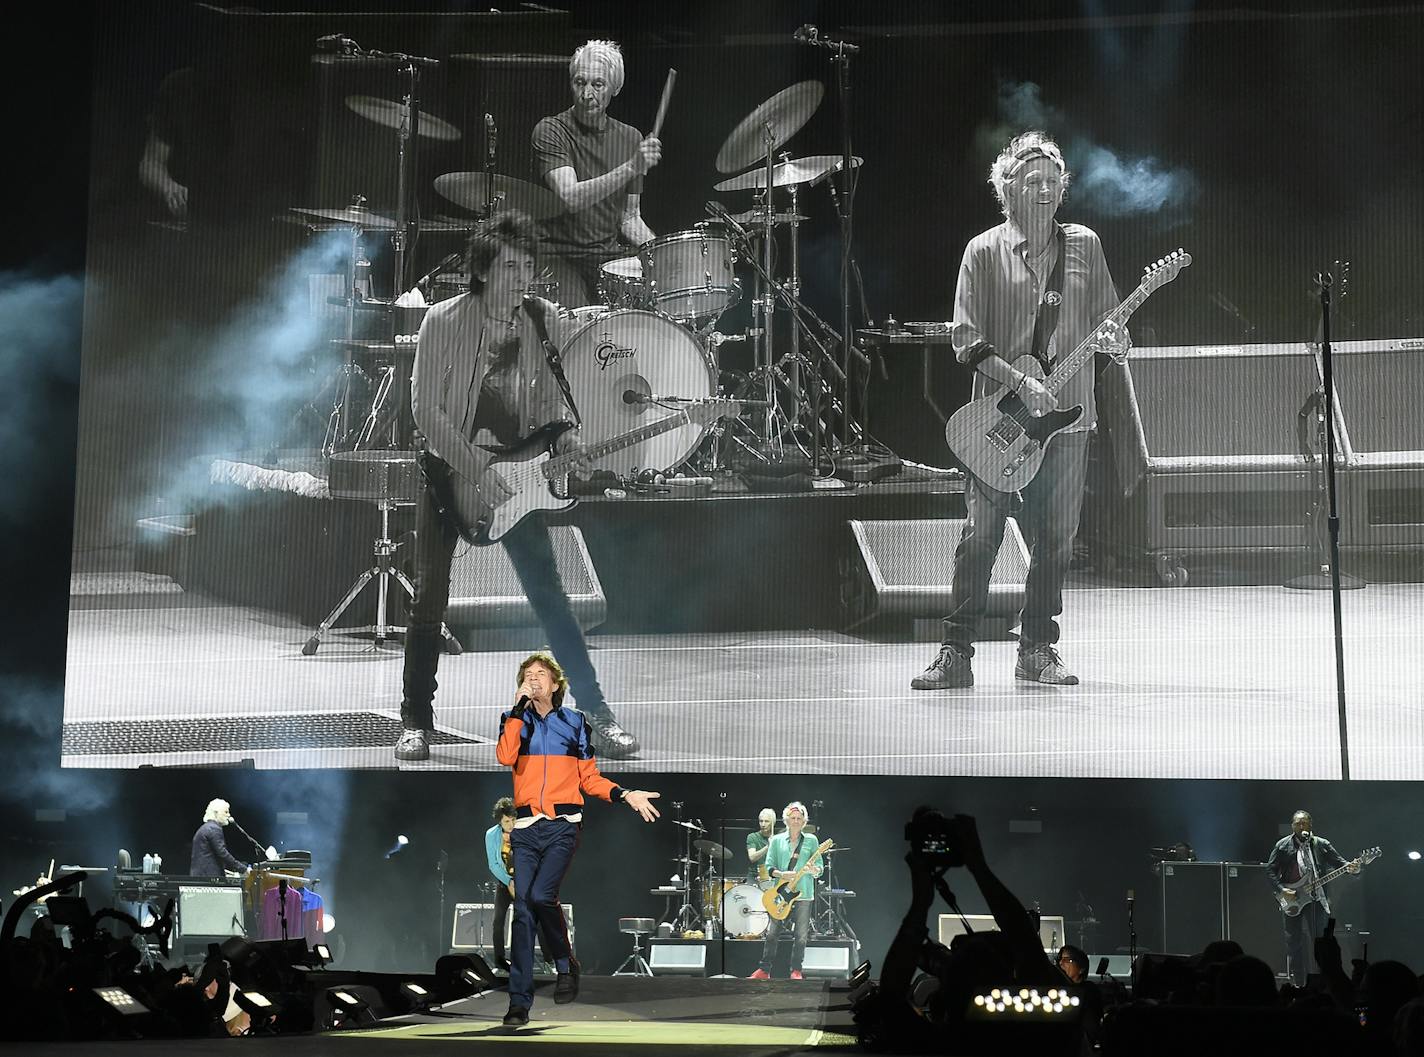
<point x="566" y="987"/>
<point x="517" y="1016"/>
<point x="612" y="740"/>
<point x="1039" y="662"/>
<point x="413" y="745"/>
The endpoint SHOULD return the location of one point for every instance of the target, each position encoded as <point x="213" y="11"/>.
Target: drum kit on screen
<point x="651" y="347"/>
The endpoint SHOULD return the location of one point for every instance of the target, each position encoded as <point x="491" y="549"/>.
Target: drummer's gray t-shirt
<point x="561" y="141"/>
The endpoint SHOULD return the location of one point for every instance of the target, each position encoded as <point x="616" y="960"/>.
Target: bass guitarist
<point x="786" y="854"/>
<point x="1294" y="862"/>
<point x="481" y="378"/>
<point x="1027" y="285"/>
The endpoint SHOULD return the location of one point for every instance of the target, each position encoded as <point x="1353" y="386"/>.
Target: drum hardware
<point x="688" y="916"/>
<point x="389" y="479"/>
<point x="637" y="928"/>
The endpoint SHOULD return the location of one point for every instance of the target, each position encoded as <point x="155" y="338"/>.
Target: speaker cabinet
<point x="672" y="958"/>
<point x="485" y="591"/>
<point x="1205" y="443"/>
<point x="1050" y="928"/>
<point x="906" y="568"/>
<point x="1252" y="917"/>
<point x="1193" y="906"/>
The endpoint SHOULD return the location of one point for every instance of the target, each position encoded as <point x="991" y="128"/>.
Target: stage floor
<point x="1212" y="682"/>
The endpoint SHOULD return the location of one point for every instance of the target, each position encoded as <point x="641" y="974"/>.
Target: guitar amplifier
<point x="1050" y="928"/>
<point x="210" y="910"/>
<point x="473" y="926"/>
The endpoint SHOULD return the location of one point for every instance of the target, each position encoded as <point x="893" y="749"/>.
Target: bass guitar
<point x="529" y="470"/>
<point x="1304" y="893"/>
<point x="778" y="899"/>
<point x="998" y="440"/>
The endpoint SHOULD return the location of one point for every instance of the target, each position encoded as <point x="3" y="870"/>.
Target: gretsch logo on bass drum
<point x="609" y="352"/>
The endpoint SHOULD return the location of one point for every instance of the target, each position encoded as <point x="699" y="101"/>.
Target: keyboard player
<point x="210" y="854"/>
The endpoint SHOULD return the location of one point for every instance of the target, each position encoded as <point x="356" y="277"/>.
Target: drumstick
<point x="662" y="106"/>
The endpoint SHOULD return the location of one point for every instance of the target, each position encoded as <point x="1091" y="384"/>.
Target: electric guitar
<point x="529" y="470"/>
<point x="778" y="899"/>
<point x="995" y="436"/>
<point x="1291" y="907"/>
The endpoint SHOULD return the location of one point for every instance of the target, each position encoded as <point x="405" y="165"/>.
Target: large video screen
<point x="378" y="305"/>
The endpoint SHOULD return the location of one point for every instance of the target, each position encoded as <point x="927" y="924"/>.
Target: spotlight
<point x="254" y="1002"/>
<point x="328" y="923"/>
<point x="401" y="841"/>
<point x="345" y="1004"/>
<point x="120" y="1001"/>
<point x="859" y="975"/>
<point x="416" y="994"/>
<point x="322" y="951"/>
<point x="1414" y="856"/>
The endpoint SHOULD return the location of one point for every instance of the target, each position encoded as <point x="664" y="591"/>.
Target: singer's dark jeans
<point x="542" y="854"/>
<point x="1048" y="517"/>
<point x="532" y="554"/>
<point x="502" y="902"/>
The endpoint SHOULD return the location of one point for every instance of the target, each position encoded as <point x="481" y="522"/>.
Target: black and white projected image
<point x="990" y="440"/>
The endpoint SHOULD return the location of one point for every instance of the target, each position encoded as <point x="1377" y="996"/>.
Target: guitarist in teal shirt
<point x="787" y="853"/>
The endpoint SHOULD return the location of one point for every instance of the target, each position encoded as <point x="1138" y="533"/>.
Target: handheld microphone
<point x="523" y="701"/>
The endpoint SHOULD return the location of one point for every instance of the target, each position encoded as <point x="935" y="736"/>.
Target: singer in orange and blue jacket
<point x="549" y="748"/>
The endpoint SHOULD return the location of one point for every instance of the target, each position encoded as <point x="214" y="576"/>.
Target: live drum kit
<point x="660" y="307"/>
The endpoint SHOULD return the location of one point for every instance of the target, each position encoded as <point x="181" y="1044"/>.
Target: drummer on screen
<point x="595" y="164"/>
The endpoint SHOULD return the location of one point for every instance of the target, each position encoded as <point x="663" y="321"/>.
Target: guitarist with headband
<point x="481" y="378"/>
<point x="1029" y="285"/>
<point x="787" y="854"/>
<point x="1293" y="864"/>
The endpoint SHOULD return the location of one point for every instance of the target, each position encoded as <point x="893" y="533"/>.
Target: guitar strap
<point x="535" y="307"/>
<point x="796" y="851"/>
<point x="1046" y="321"/>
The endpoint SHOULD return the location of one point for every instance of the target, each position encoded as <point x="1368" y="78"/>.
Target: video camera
<point x="937" y="838"/>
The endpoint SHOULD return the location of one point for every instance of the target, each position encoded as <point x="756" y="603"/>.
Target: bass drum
<point x="743" y="915"/>
<point x="615" y="360"/>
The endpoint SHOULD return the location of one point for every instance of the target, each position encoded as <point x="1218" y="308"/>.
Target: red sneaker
<point x="796" y="974"/>
<point x="760" y="974"/>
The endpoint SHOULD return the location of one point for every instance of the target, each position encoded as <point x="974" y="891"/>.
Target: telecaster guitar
<point x="995" y="436"/>
<point x="779" y="899"/>
<point x="1291" y="907"/>
<point x="529" y="470"/>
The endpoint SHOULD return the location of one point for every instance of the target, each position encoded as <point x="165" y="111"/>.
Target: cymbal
<point x="392" y="114"/>
<point x="780" y="117"/>
<point x="360" y="216"/>
<point x="712" y="849"/>
<point x="754" y="217"/>
<point x="467" y="189"/>
<point x="792" y="171"/>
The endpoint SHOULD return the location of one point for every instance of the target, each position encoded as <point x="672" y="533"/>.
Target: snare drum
<point x="689" y="274"/>
<point x="743" y="915"/>
<point x="621" y="284"/>
<point x="640" y="353"/>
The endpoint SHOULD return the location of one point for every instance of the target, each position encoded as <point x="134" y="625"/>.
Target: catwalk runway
<point x="1214" y="682"/>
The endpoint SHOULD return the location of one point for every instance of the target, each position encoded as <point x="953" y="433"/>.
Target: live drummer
<point x="595" y="164"/>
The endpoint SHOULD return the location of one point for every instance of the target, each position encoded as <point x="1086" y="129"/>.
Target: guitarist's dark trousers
<point x="800" y="920"/>
<point x="1301" y="934"/>
<point x="1048" y="518"/>
<point x="532" y="554"/>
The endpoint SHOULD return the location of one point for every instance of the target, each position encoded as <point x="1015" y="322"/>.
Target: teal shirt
<point x="778" y="857"/>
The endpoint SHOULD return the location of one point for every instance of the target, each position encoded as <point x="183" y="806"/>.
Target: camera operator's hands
<point x="969" y="846"/>
<point x="1327" y="954"/>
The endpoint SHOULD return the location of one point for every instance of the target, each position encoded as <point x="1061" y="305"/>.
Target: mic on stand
<point x="491" y="140"/>
<point x="718" y="210"/>
<point x="809" y="35"/>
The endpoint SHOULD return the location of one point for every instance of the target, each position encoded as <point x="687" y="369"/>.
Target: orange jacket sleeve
<point x="591" y="782"/>
<point x="506" y="751"/>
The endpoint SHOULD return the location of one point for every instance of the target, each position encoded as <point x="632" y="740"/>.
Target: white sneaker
<point x="413" y="745"/>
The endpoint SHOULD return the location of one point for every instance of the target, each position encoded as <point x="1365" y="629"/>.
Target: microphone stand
<point x="1131" y="942"/>
<point x="1332" y="505"/>
<point x="841" y="60"/>
<point x="261" y="851"/>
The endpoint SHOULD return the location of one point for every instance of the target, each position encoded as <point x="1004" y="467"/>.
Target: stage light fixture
<point x="416" y="994"/>
<point x="322" y="951"/>
<point x="254" y="1002"/>
<point x="1414" y="856"/>
<point x="328" y="923"/>
<point x="346" y="1003"/>
<point x="859" y="975"/>
<point x="120" y="1001"/>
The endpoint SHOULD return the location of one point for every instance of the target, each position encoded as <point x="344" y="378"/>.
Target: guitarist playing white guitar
<point x="1294" y="867"/>
<point x="1027" y="287"/>
<point x="481" y="372"/>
